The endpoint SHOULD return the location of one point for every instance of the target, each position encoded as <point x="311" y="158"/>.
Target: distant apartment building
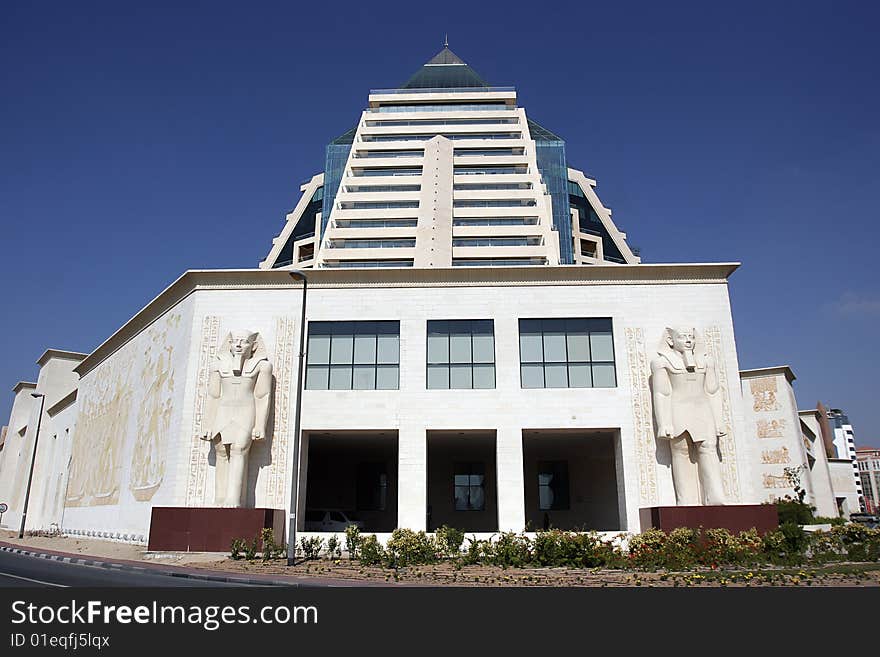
<point x="845" y="445"/>
<point x="868" y="461"/>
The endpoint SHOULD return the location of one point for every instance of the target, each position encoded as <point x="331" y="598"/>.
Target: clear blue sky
<point x="140" y="141"/>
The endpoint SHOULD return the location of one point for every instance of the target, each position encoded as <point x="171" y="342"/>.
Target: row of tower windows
<point x="456" y="242"/>
<point x="425" y="122"/>
<point x="463" y="187"/>
<point x="457" y="221"/>
<point x="459" y="152"/>
<point x="450" y="136"/>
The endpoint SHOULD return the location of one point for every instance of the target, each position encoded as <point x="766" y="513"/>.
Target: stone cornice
<point x="21" y="385"/>
<point x="768" y="371"/>
<point x="62" y="403"/>
<point x="255" y="279"/>
<point x="49" y="354"/>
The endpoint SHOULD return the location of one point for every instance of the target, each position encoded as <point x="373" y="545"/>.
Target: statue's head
<point x="681" y="340"/>
<point x="242" y="343"/>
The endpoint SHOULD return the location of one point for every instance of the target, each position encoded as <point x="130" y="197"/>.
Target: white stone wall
<point x="125" y="447"/>
<point x="16" y="455"/>
<point x="118" y="396"/>
<point x="56" y="381"/>
<point x="821" y="493"/>
<point x="774" y="432"/>
<point x="639" y="314"/>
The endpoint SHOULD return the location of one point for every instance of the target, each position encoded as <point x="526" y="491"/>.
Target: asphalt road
<point x="24" y="571"/>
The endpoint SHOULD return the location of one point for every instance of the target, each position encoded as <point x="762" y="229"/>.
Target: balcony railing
<point x="441" y="90"/>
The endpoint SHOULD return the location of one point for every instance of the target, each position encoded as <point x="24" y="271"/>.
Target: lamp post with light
<point x="294" y="485"/>
<point x="27" y="495"/>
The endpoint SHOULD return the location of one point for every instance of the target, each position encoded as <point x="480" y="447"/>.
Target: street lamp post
<point x="297" y="438"/>
<point x="27" y="495"/>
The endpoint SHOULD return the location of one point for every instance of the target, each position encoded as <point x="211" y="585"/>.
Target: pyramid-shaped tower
<point x="447" y="171"/>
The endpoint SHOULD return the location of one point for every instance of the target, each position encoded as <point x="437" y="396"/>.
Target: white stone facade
<point x="141" y="393"/>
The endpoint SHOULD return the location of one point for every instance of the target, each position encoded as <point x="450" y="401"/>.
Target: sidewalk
<point x="188" y="572"/>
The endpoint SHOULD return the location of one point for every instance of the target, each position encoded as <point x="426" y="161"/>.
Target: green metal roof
<point x="445" y="70"/>
<point x="540" y="133"/>
<point x="346" y="137"/>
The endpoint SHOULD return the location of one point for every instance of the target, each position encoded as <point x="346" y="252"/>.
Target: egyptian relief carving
<point x="277" y="475"/>
<point x="101" y="427"/>
<point x="642" y="422"/>
<point x="237" y="411"/>
<point x="776" y="481"/>
<point x="808" y="445"/>
<point x="771" y="428"/>
<point x="688" y="414"/>
<point x="775" y="456"/>
<point x="764" y="394"/>
<point x="199" y="449"/>
<point x="726" y="443"/>
<point x="154" y="414"/>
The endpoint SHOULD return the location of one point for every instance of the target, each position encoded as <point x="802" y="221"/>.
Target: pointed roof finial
<point x="446" y="40"/>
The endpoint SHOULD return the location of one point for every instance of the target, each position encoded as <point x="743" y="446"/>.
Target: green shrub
<point x="370" y="551"/>
<point x="407" y="548"/>
<point x="510" y="550"/>
<point x="827" y="520"/>
<point x="824" y="547"/>
<point x="449" y="540"/>
<point x="478" y="551"/>
<point x="547" y="549"/>
<point x="353" y="541"/>
<point x="311" y="547"/>
<point x="250" y="552"/>
<point x="787" y="545"/>
<point x="334" y="549"/>
<point x="560" y="548"/>
<point x="796" y="539"/>
<point x="271" y="550"/>
<point x="858" y="541"/>
<point x="589" y="550"/>
<point x="794" y="511"/>
<point x="238" y="546"/>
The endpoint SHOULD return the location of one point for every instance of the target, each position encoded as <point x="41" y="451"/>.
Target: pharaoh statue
<point x="688" y="414"/>
<point x="236" y="411"/>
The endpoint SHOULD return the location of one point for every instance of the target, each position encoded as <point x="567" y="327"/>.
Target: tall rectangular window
<point x="461" y="354"/>
<point x="566" y="353"/>
<point x="553" y="485"/>
<point x="470" y="492"/>
<point x="353" y="356"/>
<point x="372" y="486"/>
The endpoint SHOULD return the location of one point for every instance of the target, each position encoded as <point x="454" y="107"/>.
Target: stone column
<point x="303" y="481"/>
<point x="412" y="477"/>
<point x="434" y="231"/>
<point x="511" y="490"/>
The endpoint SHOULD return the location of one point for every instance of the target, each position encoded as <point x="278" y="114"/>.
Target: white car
<point x="330" y="520"/>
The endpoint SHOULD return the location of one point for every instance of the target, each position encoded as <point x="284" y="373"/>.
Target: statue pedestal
<point x="735" y="518"/>
<point x="197" y="529"/>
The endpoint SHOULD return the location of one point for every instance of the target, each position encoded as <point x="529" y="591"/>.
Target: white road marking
<point x="36" y="581"/>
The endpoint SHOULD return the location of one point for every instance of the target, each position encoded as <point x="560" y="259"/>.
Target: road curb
<point x="80" y="561"/>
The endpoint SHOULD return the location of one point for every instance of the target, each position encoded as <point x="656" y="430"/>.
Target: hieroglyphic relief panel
<point x="643" y="427"/>
<point x="771" y="428"/>
<point x="105" y="404"/>
<point x="727" y="445"/>
<point x="776" y="481"/>
<point x="276" y="483"/>
<point x="764" y="391"/>
<point x="157" y="383"/>
<point x="198" y="457"/>
<point x="126" y="399"/>
<point x="776" y="456"/>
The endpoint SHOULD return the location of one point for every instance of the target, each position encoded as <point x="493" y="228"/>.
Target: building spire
<point x="446" y="40"/>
